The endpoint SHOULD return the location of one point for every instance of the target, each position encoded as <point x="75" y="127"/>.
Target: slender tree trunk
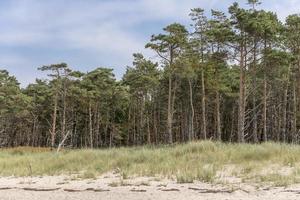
<point x="185" y="125"/>
<point x="191" y="132"/>
<point x="173" y="107"/>
<point x="264" y="116"/>
<point x="155" y="124"/>
<point x="106" y="133"/>
<point x="241" y="111"/>
<point x="34" y="130"/>
<point x="265" y="138"/>
<point x="294" y="120"/>
<point x="53" y="132"/>
<point x="91" y="125"/>
<point x="284" y="113"/>
<point x="113" y="129"/>
<point x="142" y="123"/>
<point x="170" y="118"/>
<point x="111" y="135"/>
<point x="218" y="116"/>
<point x="97" y="131"/>
<point x="129" y="126"/>
<point x="148" y="130"/>
<point x="74" y="141"/>
<point x="255" y="127"/>
<point x="203" y="106"/>
<point x="63" y="127"/>
<point x="134" y="126"/>
<point x="255" y="135"/>
<point x="232" y="124"/>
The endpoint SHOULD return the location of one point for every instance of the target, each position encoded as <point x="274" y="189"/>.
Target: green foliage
<point x="198" y="83"/>
<point x="167" y="45"/>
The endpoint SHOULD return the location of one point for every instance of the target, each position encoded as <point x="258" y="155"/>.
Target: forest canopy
<point x="235" y="77"/>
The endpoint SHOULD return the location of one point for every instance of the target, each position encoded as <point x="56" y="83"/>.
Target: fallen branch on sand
<point x="41" y="189"/>
<point x="135" y="190"/>
<point x="210" y="190"/>
<point x="63" y="141"/>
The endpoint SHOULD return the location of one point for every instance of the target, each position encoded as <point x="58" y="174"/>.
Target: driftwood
<point x="55" y="189"/>
<point x="88" y="189"/>
<point x="63" y="141"/>
<point x="292" y="191"/>
<point x="210" y="190"/>
<point x="7" y="188"/>
<point x="41" y="189"/>
<point x="100" y="190"/>
<point x="135" y="190"/>
<point x="170" y="190"/>
<point x="97" y="190"/>
<point x="73" y="190"/>
<point x="62" y="183"/>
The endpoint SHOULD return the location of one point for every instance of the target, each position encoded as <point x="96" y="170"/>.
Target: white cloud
<point x="34" y="21"/>
<point x="284" y="8"/>
<point x="98" y="27"/>
<point x="113" y="27"/>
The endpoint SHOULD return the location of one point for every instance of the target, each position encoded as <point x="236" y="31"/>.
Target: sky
<point x="87" y="34"/>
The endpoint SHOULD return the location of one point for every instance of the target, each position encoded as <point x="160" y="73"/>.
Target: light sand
<point x="111" y="187"/>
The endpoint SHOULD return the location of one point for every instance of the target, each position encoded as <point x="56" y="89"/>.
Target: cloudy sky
<point x="93" y="33"/>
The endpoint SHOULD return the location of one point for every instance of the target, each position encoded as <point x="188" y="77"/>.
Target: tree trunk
<point x="111" y="135"/>
<point x="134" y="126"/>
<point x="218" y="118"/>
<point x="53" y="132"/>
<point x="170" y="118"/>
<point x="191" y="132"/>
<point x="106" y="132"/>
<point x="148" y="131"/>
<point x="90" y="125"/>
<point x="255" y="135"/>
<point x="142" y="123"/>
<point x="265" y="138"/>
<point x="63" y="127"/>
<point x="232" y="124"/>
<point x="241" y="110"/>
<point x="155" y="124"/>
<point x="203" y="106"/>
<point x="129" y="126"/>
<point x="97" y="131"/>
<point x="284" y="113"/>
<point x="265" y="94"/>
<point x="34" y="130"/>
<point x="294" y="120"/>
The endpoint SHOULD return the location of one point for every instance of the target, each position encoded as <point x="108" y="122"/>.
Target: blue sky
<point x="93" y="33"/>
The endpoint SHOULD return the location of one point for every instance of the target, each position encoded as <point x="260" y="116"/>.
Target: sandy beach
<point x="112" y="187"/>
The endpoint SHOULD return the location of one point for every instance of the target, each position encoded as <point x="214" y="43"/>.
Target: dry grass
<point x="188" y="162"/>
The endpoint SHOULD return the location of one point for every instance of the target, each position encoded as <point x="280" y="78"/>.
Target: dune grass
<point x="204" y="161"/>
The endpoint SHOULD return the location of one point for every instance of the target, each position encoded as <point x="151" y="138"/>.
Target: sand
<point x="111" y="187"/>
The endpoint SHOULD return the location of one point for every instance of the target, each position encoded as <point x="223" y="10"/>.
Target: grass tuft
<point x="202" y="161"/>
